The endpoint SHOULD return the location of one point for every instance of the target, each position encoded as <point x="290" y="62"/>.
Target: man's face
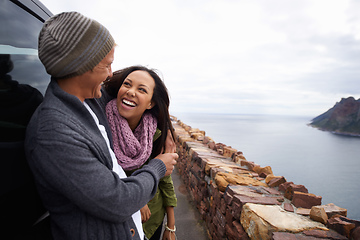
<point x="94" y="78"/>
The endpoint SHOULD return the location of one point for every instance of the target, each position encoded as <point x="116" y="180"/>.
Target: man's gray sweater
<point x="72" y="167"/>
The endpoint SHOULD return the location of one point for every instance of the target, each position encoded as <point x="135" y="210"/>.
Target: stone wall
<point x="239" y="199"/>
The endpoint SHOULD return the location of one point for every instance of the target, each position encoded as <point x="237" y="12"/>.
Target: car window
<point x="19" y="38"/>
<point x="23" y="79"/>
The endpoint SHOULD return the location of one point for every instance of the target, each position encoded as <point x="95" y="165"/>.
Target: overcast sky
<point x="284" y="57"/>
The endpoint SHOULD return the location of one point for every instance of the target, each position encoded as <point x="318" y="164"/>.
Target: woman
<point x="141" y="128"/>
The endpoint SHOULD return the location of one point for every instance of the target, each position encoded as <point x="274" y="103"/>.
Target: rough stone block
<point x="284" y="186"/>
<point x="214" y="165"/>
<point x="197" y="171"/>
<point x="219" y="227"/>
<point x="240" y="231"/>
<point x="317" y="213"/>
<point x="249" y="165"/>
<point x="246" y="190"/>
<point x="228" y="215"/>
<point x="228" y="197"/>
<point x="220" y="145"/>
<point x="217" y="198"/>
<point x="303" y="211"/>
<point x="332" y="210"/>
<point x="356" y="222"/>
<point x="223" y="206"/>
<point x="305" y="200"/>
<point x="212" y="145"/>
<point x="255" y="194"/>
<point x="341" y="226"/>
<point x="197" y="136"/>
<point x="207" y="139"/>
<point x="230" y="233"/>
<point x="267" y="170"/>
<point x="260" y="221"/>
<point x="260" y="179"/>
<point x="320" y="234"/>
<point x="236" y="209"/>
<point x="237" y="157"/>
<point x="202" y="209"/>
<point x="229" y="151"/>
<point x="184" y="139"/>
<point x="242" y="200"/>
<point x="356" y="233"/>
<point x="224" y="179"/>
<point x="221" y="218"/>
<point x="276" y="181"/>
<point x="272" y="191"/>
<point x="269" y="177"/>
<point x="291" y="188"/>
<point x="263" y="175"/>
<point x="288" y="207"/>
<point x="290" y="236"/>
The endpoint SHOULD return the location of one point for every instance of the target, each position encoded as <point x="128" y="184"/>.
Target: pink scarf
<point x="132" y="149"/>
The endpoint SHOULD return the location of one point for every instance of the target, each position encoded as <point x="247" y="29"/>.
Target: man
<point x="68" y="143"/>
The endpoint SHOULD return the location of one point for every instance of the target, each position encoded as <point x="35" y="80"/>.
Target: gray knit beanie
<point x="71" y="44"/>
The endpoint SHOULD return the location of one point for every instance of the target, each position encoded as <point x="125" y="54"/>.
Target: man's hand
<point x="169" y="160"/>
<point x="145" y="213"/>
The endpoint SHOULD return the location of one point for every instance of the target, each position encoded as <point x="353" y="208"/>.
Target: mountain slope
<point x="342" y="118"/>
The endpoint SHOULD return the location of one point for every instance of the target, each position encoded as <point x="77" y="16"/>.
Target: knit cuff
<point x="159" y="166"/>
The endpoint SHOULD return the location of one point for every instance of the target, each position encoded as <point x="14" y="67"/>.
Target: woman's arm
<point x="169" y="232"/>
<point x="170" y="146"/>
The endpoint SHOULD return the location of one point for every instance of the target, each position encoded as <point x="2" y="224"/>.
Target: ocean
<point x="327" y="164"/>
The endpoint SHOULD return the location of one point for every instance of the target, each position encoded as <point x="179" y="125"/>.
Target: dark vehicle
<point x="23" y="81"/>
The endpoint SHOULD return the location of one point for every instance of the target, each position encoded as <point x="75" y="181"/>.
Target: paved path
<point x="189" y="225"/>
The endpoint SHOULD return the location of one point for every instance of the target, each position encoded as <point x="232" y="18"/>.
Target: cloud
<point x="275" y="57"/>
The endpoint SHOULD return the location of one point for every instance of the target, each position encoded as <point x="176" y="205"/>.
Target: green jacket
<point x="165" y="197"/>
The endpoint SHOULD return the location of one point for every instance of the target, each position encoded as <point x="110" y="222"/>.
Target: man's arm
<point x="73" y="166"/>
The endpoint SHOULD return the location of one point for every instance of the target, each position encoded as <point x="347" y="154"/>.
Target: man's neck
<point x="70" y="86"/>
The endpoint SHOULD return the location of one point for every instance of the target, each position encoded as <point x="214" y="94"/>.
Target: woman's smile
<point x="128" y="103"/>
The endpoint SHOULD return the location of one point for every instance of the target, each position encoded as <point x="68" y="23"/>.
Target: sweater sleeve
<point x="71" y="169"/>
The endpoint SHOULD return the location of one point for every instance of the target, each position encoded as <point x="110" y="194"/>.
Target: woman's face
<point x="134" y="96"/>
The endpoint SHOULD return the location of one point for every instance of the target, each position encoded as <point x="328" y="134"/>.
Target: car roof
<point x="35" y="8"/>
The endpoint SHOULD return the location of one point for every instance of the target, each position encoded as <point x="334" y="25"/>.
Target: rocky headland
<point x="342" y="118"/>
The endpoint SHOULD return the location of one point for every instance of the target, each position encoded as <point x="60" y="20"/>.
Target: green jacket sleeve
<point x="166" y="187"/>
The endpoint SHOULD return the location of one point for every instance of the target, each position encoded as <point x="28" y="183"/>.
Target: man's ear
<point x="151" y="105"/>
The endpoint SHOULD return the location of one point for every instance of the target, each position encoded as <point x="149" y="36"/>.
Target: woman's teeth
<point x="129" y="103"/>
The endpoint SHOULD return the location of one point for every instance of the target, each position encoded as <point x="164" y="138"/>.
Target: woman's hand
<point x="170" y="146"/>
<point x="169" y="235"/>
<point x="169" y="156"/>
<point x="145" y="213"/>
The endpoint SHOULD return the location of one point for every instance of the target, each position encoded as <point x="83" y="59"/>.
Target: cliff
<point x="342" y="118"/>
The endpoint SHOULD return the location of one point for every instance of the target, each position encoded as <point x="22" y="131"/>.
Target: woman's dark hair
<point x="160" y="97"/>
